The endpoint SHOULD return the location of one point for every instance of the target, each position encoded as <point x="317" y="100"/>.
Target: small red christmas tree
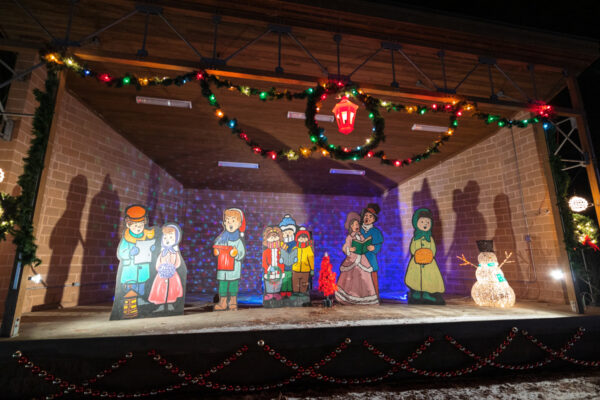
<point x="327" y="278"/>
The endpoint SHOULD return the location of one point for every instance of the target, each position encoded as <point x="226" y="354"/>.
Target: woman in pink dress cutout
<point x="355" y="284"/>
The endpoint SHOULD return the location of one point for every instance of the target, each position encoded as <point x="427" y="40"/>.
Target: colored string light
<point x="314" y="96"/>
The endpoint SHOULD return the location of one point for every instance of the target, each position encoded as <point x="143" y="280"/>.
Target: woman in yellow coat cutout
<point x="423" y="276"/>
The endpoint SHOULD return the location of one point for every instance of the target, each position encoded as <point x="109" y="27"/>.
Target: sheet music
<point x="145" y="254"/>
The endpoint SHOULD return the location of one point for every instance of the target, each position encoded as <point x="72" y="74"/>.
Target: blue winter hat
<point x="288" y="223"/>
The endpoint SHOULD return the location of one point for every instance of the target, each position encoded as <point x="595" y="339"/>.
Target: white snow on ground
<point x="584" y="386"/>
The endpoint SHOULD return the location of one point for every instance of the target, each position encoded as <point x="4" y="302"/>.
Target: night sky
<point x="575" y="18"/>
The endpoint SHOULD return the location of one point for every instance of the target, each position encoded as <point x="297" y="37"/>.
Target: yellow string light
<point x="292" y="155"/>
<point x="219" y="113"/>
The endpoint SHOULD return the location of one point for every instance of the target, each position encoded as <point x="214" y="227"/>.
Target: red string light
<point x="311" y="371"/>
<point x="105" y="78"/>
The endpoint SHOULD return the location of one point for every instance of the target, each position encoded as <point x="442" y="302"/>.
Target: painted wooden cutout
<point x="288" y="264"/>
<point x="355" y="284"/>
<point x="368" y="217"/>
<point x="273" y="267"/>
<point x="230" y="250"/>
<point x="303" y="269"/>
<point x="423" y="275"/>
<point x="135" y="254"/>
<point x="168" y="286"/>
<point x="492" y="288"/>
<point x="289" y="252"/>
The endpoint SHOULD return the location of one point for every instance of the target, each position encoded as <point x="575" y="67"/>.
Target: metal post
<point x="585" y="138"/>
<point x="22" y="74"/>
<point x="572" y="286"/>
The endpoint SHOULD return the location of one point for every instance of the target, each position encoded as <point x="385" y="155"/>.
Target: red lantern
<point x="345" y="115"/>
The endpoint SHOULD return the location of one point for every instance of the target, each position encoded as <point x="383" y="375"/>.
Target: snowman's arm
<point x="507" y="255"/>
<point x="465" y="261"/>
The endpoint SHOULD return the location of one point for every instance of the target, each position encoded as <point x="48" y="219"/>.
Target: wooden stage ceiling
<point x="522" y="65"/>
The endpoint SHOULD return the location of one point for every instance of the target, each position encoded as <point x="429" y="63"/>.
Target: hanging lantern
<point x="345" y="115"/>
<point x="578" y="204"/>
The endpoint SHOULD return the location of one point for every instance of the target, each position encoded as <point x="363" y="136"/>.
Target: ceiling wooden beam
<point x="301" y="80"/>
<point x="546" y="50"/>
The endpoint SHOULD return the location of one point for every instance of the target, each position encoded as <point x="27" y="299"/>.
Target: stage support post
<point x="570" y="283"/>
<point x="18" y="286"/>
<point x="585" y="138"/>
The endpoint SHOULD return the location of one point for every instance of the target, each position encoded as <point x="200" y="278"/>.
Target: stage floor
<point x="93" y="321"/>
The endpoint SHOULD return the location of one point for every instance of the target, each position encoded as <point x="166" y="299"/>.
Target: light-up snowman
<point x="492" y="288"/>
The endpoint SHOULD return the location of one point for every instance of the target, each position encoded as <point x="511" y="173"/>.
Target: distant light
<point x="1" y="175"/>
<point x="557" y="274"/>
<point x="429" y="128"/>
<point x="318" y="117"/>
<point x="347" y="171"/>
<point x="154" y="101"/>
<point x="37" y="278"/>
<point x="578" y="204"/>
<point x="232" y="164"/>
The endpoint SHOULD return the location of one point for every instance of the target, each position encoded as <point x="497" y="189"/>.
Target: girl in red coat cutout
<point x="167" y="287"/>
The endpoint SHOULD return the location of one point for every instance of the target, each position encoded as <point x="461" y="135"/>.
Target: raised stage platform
<point x="256" y="349"/>
<point x="92" y="321"/>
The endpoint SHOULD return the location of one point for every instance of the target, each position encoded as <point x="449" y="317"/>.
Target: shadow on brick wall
<point x="99" y="264"/>
<point x="504" y="235"/>
<point x="470" y="226"/>
<point x="65" y="237"/>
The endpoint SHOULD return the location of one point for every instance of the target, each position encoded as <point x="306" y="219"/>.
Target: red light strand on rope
<point x="311" y="371"/>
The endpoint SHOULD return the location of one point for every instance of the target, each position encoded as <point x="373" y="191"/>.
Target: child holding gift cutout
<point x="230" y="249"/>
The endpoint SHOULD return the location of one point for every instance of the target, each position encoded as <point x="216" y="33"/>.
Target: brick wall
<point x="94" y="173"/>
<point x="476" y="195"/>
<point x="323" y="215"/>
<point x="20" y="100"/>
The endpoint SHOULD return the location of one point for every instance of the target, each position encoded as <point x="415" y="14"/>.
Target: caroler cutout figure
<point x="355" y="285"/>
<point x="423" y="275"/>
<point x="230" y="249"/>
<point x="169" y="283"/>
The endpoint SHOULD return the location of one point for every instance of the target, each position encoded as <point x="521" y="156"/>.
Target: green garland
<point x="585" y="226"/>
<point x="16" y="217"/>
<point x="314" y="96"/>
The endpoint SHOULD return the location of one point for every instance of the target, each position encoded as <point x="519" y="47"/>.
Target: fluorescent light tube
<point x="347" y="171"/>
<point x="232" y="164"/>
<point x="155" y="101"/>
<point x="318" y="117"/>
<point x="429" y="128"/>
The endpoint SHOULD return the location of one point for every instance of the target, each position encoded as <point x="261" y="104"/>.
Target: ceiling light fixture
<point x="347" y="171"/>
<point x="318" y="117"/>
<point x="232" y="164"/>
<point x="429" y="128"/>
<point x="155" y="101"/>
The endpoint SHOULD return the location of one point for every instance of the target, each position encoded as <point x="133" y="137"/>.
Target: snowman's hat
<point x="485" y="246"/>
